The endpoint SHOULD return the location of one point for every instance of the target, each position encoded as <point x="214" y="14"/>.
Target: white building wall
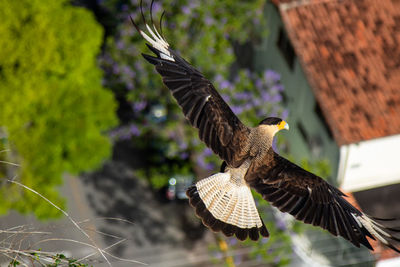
<point x="370" y="164"/>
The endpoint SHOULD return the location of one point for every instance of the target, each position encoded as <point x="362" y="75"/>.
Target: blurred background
<point x="86" y="122"/>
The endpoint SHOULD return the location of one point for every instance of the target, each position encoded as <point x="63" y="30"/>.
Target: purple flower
<point x="273" y="114"/>
<point x="238" y="260"/>
<point x="237" y="109"/>
<point x="156" y="7"/>
<point x="225" y="97"/>
<point x="265" y="97"/>
<point x="276" y="98"/>
<point x="281" y="224"/>
<point x="207" y="152"/>
<point x="243" y="96"/>
<point x="186" y="10"/>
<point x="115" y="68"/>
<point x="138" y="66"/>
<point x="277" y="88"/>
<point x="256" y="101"/>
<point x="200" y="162"/>
<point x="128" y="72"/>
<point x="271" y="76"/>
<point x="139" y="106"/>
<point x="184" y="155"/>
<point x="120" y="44"/>
<point x="114" y="133"/>
<point x="193" y="4"/>
<point x="218" y="78"/>
<point x="225" y="84"/>
<point x="182" y="145"/>
<point x="208" y="21"/>
<point x="124" y="7"/>
<point x="134" y="130"/>
<point x="134" y="14"/>
<point x="218" y="255"/>
<point x="260" y="113"/>
<point x="129" y="85"/>
<point x="232" y="241"/>
<point x="209" y="166"/>
<point x="259" y="83"/>
<point x="285" y="114"/>
<point x="172" y="135"/>
<point x="247" y="106"/>
<point x="124" y="136"/>
<point x="256" y="21"/>
<point x="171" y="25"/>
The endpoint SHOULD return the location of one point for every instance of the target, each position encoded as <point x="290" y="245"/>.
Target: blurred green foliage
<point x="54" y="110"/>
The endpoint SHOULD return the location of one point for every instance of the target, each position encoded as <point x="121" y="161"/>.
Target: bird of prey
<point x="224" y="200"/>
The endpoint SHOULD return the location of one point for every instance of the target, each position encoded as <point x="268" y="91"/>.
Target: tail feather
<point x="225" y="206"/>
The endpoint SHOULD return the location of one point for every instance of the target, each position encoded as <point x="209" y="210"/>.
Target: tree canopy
<point x="55" y="113"/>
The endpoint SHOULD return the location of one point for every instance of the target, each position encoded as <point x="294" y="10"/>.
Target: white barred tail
<point x="226" y="206"/>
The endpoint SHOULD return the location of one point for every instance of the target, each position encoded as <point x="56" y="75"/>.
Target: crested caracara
<point x="224" y="200"/>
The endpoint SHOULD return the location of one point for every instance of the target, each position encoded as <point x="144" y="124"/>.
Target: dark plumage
<point x="270" y="121"/>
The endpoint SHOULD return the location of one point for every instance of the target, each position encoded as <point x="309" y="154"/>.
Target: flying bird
<point x="224" y="200"/>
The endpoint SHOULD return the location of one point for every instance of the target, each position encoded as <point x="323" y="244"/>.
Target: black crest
<point x="270" y="121"/>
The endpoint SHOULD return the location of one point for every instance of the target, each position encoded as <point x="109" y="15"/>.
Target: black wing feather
<point x="205" y="109"/>
<point x="314" y="201"/>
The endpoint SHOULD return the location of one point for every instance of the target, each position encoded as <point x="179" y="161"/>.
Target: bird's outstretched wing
<point x="314" y="201"/>
<point x="219" y="128"/>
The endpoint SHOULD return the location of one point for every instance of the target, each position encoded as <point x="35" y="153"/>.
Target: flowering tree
<point x="54" y="110"/>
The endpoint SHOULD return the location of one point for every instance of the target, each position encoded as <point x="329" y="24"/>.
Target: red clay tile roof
<point x="350" y="51"/>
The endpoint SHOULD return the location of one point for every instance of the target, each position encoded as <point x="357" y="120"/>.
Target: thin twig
<point x="89" y="245"/>
<point x="107" y="218"/>
<point x="9" y="163"/>
<point x="92" y="254"/>
<point x="22" y="232"/>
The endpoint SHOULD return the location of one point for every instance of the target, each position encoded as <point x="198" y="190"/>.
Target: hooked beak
<point x="283" y="125"/>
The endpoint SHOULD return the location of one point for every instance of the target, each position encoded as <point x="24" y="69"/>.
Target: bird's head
<point x="273" y="125"/>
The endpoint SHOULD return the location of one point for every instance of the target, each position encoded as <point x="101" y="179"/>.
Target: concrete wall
<point x="370" y="164"/>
